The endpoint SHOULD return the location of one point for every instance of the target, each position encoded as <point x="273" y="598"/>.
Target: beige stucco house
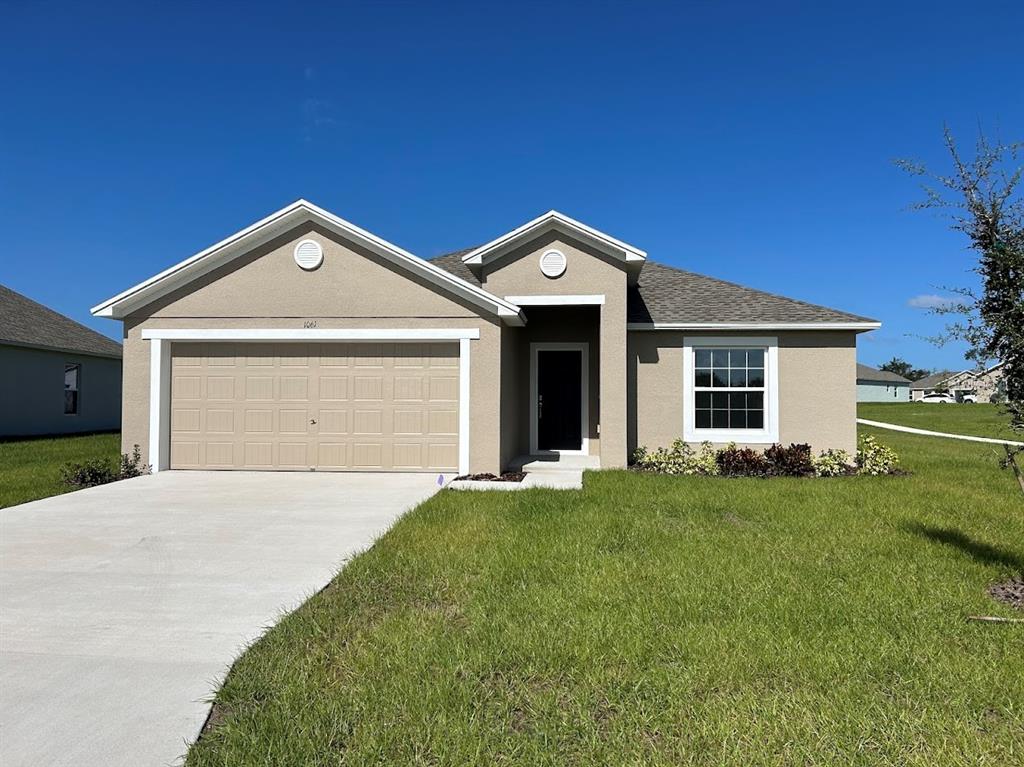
<point x="306" y="343"/>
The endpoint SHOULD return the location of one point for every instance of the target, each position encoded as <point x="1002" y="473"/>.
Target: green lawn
<point x="30" y="468"/>
<point x="661" y="621"/>
<point x="980" y="420"/>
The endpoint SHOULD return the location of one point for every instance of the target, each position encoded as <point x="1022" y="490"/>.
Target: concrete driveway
<point x="122" y="607"/>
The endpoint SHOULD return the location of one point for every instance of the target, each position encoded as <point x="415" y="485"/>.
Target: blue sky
<point x="749" y="141"/>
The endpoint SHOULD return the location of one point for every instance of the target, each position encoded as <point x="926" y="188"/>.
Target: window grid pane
<point x="739" y="375"/>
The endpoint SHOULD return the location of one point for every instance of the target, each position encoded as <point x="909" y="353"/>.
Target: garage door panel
<point x="328" y="406"/>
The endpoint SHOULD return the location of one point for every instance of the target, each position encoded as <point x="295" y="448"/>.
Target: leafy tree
<point x="982" y="196"/>
<point x="901" y="367"/>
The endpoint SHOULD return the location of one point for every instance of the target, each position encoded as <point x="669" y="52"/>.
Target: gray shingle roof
<point x="666" y="294"/>
<point x="868" y="373"/>
<point x="930" y="382"/>
<point x="24" y="322"/>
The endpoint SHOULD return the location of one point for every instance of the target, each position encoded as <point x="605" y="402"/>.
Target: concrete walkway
<point x="912" y="430"/>
<point x="122" y="607"/>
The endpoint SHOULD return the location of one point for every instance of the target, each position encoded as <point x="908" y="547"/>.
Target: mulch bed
<point x="1010" y="592"/>
<point x="505" y="476"/>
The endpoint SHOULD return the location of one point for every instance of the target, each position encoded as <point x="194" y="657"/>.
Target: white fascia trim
<point x="326" y="334"/>
<point x="769" y="435"/>
<point x="753" y="325"/>
<point x="595" y="300"/>
<point x="263" y="230"/>
<point x="160" y="373"/>
<point x="159" y="404"/>
<point x="464" y="406"/>
<point x="618" y="248"/>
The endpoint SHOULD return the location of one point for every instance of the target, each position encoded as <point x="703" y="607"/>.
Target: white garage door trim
<point x="160" y="369"/>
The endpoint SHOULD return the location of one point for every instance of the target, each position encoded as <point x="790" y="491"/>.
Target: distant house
<point x="59" y="377"/>
<point x="875" y="385"/>
<point x="986" y="385"/>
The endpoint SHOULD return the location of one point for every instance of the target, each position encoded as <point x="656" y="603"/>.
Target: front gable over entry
<point x="270" y="230"/>
<point x="480" y="258"/>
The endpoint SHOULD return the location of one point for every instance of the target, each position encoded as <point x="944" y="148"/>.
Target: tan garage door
<point x="330" y="406"/>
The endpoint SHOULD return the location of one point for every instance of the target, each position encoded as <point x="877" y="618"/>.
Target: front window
<point x="71" y="376"/>
<point x="729" y="390"/>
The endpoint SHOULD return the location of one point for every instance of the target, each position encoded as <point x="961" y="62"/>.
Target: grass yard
<point x="30" y="468"/>
<point x="981" y="420"/>
<point x="659" y="621"/>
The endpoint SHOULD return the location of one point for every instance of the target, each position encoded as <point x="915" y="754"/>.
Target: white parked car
<point x="947" y="398"/>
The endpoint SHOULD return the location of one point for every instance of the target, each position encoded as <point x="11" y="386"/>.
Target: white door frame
<point x="160" y="341"/>
<point x="584" y="349"/>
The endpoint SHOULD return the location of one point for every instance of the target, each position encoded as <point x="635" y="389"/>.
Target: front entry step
<point x="533" y="464"/>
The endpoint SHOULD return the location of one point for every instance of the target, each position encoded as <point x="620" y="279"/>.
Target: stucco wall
<point x="588" y="272"/>
<point x="878" y="391"/>
<point x="817" y="397"/>
<point x="352" y="289"/>
<point x="32" y="392"/>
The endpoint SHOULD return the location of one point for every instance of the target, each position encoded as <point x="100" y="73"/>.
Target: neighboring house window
<point x="730" y="390"/>
<point x="72" y="373"/>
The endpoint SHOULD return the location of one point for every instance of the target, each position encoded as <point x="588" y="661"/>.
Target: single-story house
<point x="875" y="385"/>
<point x="59" y="377"/>
<point x="986" y="385"/>
<point x="303" y="342"/>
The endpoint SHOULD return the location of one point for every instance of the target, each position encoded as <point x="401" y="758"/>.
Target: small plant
<point x="100" y="471"/>
<point x="793" y="461"/>
<point x="680" y="458"/>
<point x="874" y="458"/>
<point x="133" y="466"/>
<point x="833" y="463"/>
<point x="741" y="462"/>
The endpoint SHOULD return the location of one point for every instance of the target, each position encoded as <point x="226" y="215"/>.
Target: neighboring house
<point x="875" y="385"/>
<point x="304" y="342"/>
<point x="59" y="377"/>
<point x="986" y="385"/>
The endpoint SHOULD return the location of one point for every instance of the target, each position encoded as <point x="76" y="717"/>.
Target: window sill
<point x="741" y="436"/>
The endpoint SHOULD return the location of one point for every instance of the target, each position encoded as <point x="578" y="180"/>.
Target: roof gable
<point x="24" y="322"/>
<point x="868" y="373"/>
<point x="559" y="222"/>
<point x="277" y="223"/>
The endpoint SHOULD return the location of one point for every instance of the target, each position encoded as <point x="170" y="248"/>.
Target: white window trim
<point x="766" y="436"/>
<point x="160" y="341"/>
<point x="567" y="300"/>
<point x="584" y="349"/>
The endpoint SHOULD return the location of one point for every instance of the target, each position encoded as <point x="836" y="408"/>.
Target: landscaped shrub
<point x="793" y="461"/>
<point x="833" y="463"/>
<point x="741" y="462"/>
<point x="101" y="471"/>
<point x="776" y="461"/>
<point x="874" y="458"/>
<point x="680" y="458"/>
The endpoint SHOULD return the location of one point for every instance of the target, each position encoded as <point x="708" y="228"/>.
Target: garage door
<point x="330" y="406"/>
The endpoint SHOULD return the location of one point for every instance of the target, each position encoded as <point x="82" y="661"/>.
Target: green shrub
<point x="793" y="461"/>
<point x="874" y="458"/>
<point x="833" y="463"/>
<point x="101" y="472"/>
<point x="680" y="458"/>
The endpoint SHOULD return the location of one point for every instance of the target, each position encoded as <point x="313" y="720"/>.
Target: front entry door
<point x="559" y="399"/>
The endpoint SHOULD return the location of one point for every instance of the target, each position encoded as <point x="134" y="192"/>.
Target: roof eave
<point x="837" y="325"/>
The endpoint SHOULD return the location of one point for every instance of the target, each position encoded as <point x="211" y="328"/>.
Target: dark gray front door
<point x="559" y="400"/>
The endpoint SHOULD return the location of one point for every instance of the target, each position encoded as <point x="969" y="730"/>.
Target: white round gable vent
<point x="309" y="254"/>
<point x="552" y="263"/>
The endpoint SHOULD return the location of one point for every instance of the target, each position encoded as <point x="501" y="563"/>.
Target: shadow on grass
<point x="982" y="552"/>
